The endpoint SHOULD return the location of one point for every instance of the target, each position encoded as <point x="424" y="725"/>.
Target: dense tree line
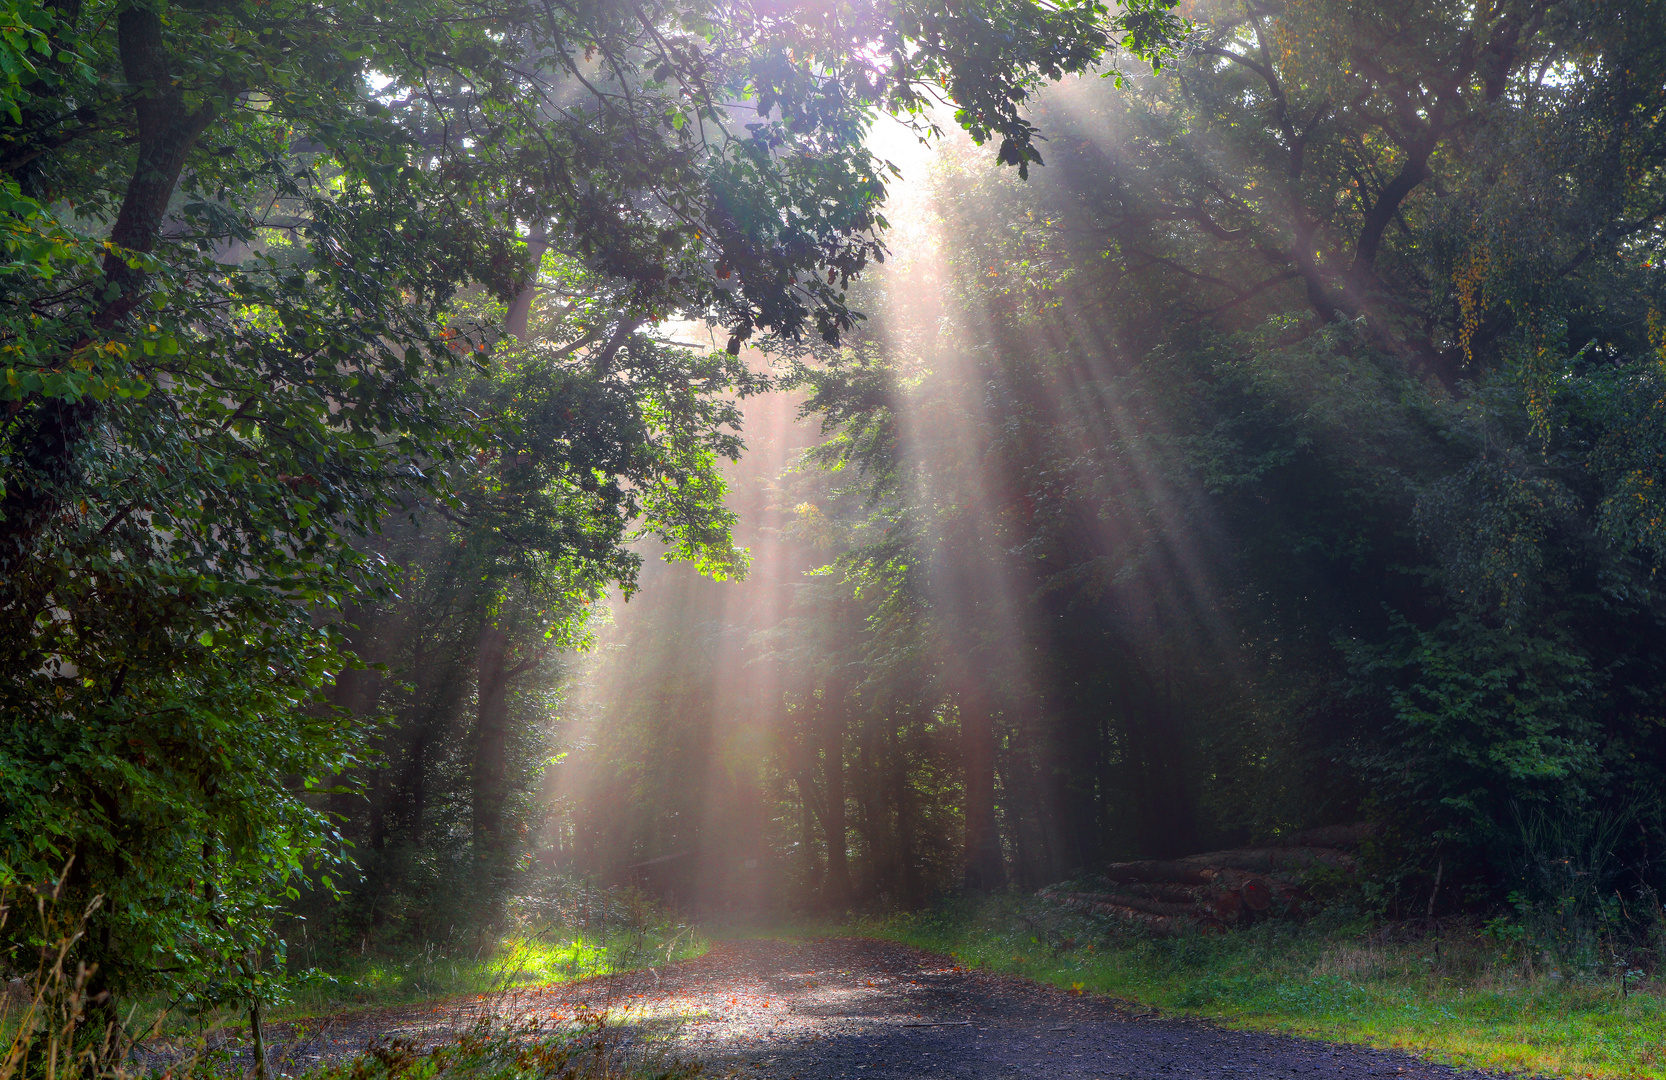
<point x="1287" y="451"/>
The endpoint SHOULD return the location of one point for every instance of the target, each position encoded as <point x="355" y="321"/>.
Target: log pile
<point x="1219" y="889"/>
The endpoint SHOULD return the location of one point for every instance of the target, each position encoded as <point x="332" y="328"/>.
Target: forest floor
<point x="851" y="1008"/>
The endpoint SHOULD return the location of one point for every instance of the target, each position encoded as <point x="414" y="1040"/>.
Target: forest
<point x="795" y="460"/>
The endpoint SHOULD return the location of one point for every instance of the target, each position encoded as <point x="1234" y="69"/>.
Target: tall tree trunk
<point x="1180" y="817"/>
<point x="872" y="820"/>
<point x="413" y="789"/>
<point x="833" y="763"/>
<point x="1044" y="779"/>
<point x="1156" y="763"/>
<point x="901" y="789"/>
<point x="1034" y="768"/>
<point x="491" y="733"/>
<point x="1095" y="848"/>
<point x="985" y="867"/>
<point x="807" y="834"/>
<point x="1009" y="810"/>
<point x="378" y="810"/>
<point x="44" y="473"/>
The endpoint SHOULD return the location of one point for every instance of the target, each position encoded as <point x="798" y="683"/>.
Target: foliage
<point x="1259" y="464"/>
<point x="242" y="246"/>
<point x="48" y="1021"/>
<point x="554" y="931"/>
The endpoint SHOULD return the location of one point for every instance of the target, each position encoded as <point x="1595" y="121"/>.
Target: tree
<point x="1295" y="439"/>
<point x="238" y="233"/>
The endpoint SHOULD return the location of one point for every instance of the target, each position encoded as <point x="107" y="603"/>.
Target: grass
<point x="587" y="1046"/>
<point x="534" y="954"/>
<point x="1457" y="998"/>
<point x="571" y="932"/>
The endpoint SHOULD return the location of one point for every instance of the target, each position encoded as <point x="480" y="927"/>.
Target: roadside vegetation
<point x="566" y="930"/>
<point x="50" y="1024"/>
<point x="1491" y="996"/>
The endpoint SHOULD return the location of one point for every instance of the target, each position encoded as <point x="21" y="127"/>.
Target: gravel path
<point x="860" y="1009"/>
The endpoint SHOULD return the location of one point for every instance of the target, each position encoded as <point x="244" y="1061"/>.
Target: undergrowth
<point x="51" y="1027"/>
<point x="569" y="931"/>
<point x="1450" y="990"/>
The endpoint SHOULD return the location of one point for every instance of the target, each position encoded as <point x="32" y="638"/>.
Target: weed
<point x="51" y="1025"/>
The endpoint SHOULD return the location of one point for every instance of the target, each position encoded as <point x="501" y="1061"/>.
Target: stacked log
<point x="1218" y="889"/>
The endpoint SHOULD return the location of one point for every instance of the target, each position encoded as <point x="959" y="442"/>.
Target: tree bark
<point x="909" y="873"/>
<point x="833" y="763"/>
<point x="166" y="132"/>
<point x="985" y="866"/>
<point x="519" y="318"/>
<point x="807" y="834"/>
<point x="491" y="732"/>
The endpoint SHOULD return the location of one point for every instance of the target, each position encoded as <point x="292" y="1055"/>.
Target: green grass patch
<point x="530" y="955"/>
<point x="1455" y="997"/>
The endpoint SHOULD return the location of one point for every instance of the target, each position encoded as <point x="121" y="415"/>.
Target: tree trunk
<point x="413" y="790"/>
<point x="985" y="867"/>
<point x="833" y="763"/>
<point x="910" y="872"/>
<point x="491" y="731"/>
<point x="1010" y="813"/>
<point x="1156" y="759"/>
<point x="807" y="835"/>
<point x="378" y="810"/>
<point x="42" y="475"/>
<point x="518" y="321"/>
<point x="873" y="823"/>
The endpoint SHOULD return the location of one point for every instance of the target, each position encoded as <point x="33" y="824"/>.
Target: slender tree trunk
<point x="378" y="810"/>
<point x="257" y="1035"/>
<point x="807" y="834"/>
<point x="1009" y="809"/>
<point x="872" y="820"/>
<point x="1156" y="763"/>
<point x="985" y="867"/>
<point x="491" y="732"/>
<point x="413" y="789"/>
<point x="833" y="763"/>
<point x="1035" y="770"/>
<point x="1047" y="818"/>
<point x="1180" y="818"/>
<point x="910" y="872"/>
<point x="1103" y="778"/>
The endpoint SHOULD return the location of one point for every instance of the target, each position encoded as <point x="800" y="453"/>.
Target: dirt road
<point x="856" y="1009"/>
